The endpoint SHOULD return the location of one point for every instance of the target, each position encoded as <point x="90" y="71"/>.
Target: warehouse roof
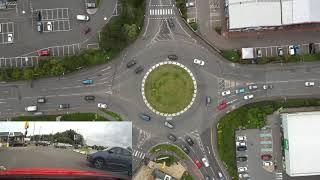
<point x="301" y="143"/>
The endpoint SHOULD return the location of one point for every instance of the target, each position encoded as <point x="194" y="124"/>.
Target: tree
<point x="132" y="31"/>
<point x="28" y="74"/>
<point x="16" y="74"/>
<point x="57" y="69"/>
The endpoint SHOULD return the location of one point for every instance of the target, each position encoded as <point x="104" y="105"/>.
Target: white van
<point x="83" y="18"/>
<point x="31" y="108"/>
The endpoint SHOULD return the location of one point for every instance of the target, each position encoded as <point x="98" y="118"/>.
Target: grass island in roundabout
<point x="169" y="88"/>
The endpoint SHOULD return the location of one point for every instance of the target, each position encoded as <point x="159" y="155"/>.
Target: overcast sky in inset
<point x="95" y="133"/>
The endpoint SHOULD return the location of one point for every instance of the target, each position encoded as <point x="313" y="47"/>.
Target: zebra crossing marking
<point x="157" y="12"/>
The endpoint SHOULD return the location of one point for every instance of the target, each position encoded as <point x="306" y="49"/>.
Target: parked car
<point x="241" y="148"/>
<point x="102" y="105"/>
<point x="115" y="158"/>
<point x="259" y="53"/>
<point x="89" y="98"/>
<point x="225" y="93"/>
<point x="170" y="23"/>
<point x="41" y="100"/>
<point x="83" y="18"/>
<point x="190" y="4"/>
<point x="242" y="169"/>
<point x="138" y="69"/>
<point x="242" y="158"/>
<point x="296" y="49"/>
<point x="172" y="137"/>
<point x="309" y="83"/>
<point x="198" y="61"/>
<point x="191" y="20"/>
<point x="87" y="81"/>
<point x="168" y="125"/>
<point x="247" y="97"/>
<point x="240" y="90"/>
<point x="173" y="57"/>
<point x="49" y="26"/>
<point x="222" y="105"/>
<point x="39" y="27"/>
<point x="208" y="100"/>
<point x="291" y="50"/>
<point x="131" y="63"/>
<point x="10" y="38"/>
<point x="39" y="17"/>
<point x="205" y="162"/>
<point x="185" y="149"/>
<point x="244" y="176"/>
<point x="239" y="143"/>
<point x="198" y="163"/>
<point x="64" y="106"/>
<point x="266" y="157"/>
<point x="144" y="116"/>
<point x="189" y="140"/>
<point x="220" y="175"/>
<point x="252" y="87"/>
<point x="44" y="52"/>
<point x="267" y="86"/>
<point x="280" y="51"/>
<point x="312" y="48"/>
<point x="241" y="138"/>
<point x="267" y="163"/>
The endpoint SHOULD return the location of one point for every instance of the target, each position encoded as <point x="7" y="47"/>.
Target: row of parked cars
<point x="292" y="50"/>
<point x="241" y="146"/>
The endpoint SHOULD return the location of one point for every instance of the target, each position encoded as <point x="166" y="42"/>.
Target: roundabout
<point x="169" y="88"/>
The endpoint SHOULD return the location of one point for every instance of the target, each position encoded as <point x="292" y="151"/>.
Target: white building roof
<point x="301" y="134"/>
<point x="247" y="53"/>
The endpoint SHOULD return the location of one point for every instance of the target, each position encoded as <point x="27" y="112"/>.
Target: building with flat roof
<point x="301" y="143"/>
<point x="257" y="14"/>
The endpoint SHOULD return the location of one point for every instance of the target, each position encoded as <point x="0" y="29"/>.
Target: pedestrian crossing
<point x="160" y="12"/>
<point x="279" y="176"/>
<point x="138" y="154"/>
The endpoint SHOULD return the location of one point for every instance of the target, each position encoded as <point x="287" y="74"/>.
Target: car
<point x="252" y="87"/>
<point x="185" y="149"/>
<point x="49" y="26"/>
<point x="117" y="158"/>
<point x="205" y="162"/>
<point x="291" y="50"/>
<point x="240" y="90"/>
<point x="267" y="86"/>
<point x="10" y="38"/>
<point x="220" y="175"/>
<point x="225" y="93"/>
<point x="168" y="125"/>
<point x="89" y="98"/>
<point x="296" y="49"/>
<point x="39" y="27"/>
<point x="83" y="18"/>
<point x="241" y="148"/>
<point x="144" y="116"/>
<point x="90" y="5"/>
<point x="267" y="163"/>
<point x="39" y="17"/>
<point x="138" y="69"/>
<point x="242" y="169"/>
<point x="280" y="51"/>
<point x="238" y="143"/>
<point x="259" y="53"/>
<point x="312" y="48"/>
<point x="190" y="4"/>
<point x="170" y="23"/>
<point x="241" y="138"/>
<point x="199" y="62"/>
<point x="208" y="100"/>
<point x="31" y="109"/>
<point x="222" y="105"/>
<point x="207" y="177"/>
<point x="102" y="105"/>
<point x="244" y="176"/>
<point x="198" y="163"/>
<point x="247" y="97"/>
<point x="44" y="52"/>
<point x="266" y="157"/>
<point x="189" y="140"/>
<point x="131" y="63"/>
<point x="173" y="57"/>
<point x="242" y="158"/>
<point x="87" y="81"/>
<point x="172" y="137"/>
<point x="191" y="20"/>
<point x="41" y="100"/>
<point x="64" y="106"/>
<point x="309" y="84"/>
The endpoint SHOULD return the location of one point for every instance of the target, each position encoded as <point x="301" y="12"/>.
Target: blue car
<point x="87" y="81"/>
<point x="241" y="90"/>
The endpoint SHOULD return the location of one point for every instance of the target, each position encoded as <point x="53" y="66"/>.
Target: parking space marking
<point x="59" y="17"/>
<point x="6" y="29"/>
<point x="19" y="62"/>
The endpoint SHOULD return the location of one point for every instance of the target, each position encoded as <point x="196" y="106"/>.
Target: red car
<point x="266" y="157"/>
<point x="198" y="163"/>
<point x="222" y="105"/>
<point x="43" y="53"/>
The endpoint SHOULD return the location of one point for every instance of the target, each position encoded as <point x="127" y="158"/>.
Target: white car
<point x="307" y="84"/>
<point x="190" y="20"/>
<point x="101" y="105"/>
<point x="241" y="143"/>
<point x="242" y="169"/>
<point x="190" y="4"/>
<point x="225" y="93"/>
<point x="247" y="97"/>
<point x="198" y="61"/>
<point x="291" y="50"/>
<point x="49" y="26"/>
<point x="241" y="138"/>
<point x="10" y="38"/>
<point x="205" y="162"/>
<point x="267" y="163"/>
<point x="253" y="86"/>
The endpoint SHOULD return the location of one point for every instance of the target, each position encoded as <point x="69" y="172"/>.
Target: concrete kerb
<point x="165" y="63"/>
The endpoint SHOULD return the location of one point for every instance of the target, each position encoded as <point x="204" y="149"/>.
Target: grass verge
<point x="194" y="26"/>
<point x="186" y="176"/>
<point x="168" y="159"/>
<point x="112" y="114"/>
<point x="169" y="147"/>
<point x="64" y="117"/>
<point x="233" y="55"/>
<point x="181" y="4"/>
<point x="98" y="3"/>
<point x="249" y="116"/>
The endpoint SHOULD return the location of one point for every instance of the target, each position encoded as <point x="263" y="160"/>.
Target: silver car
<point x="168" y="125"/>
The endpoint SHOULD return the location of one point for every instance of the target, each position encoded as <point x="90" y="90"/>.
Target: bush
<point x="186" y="176"/>
<point x="181" y="4"/>
<point x="194" y="26"/>
<point x="218" y="30"/>
<point x="233" y="55"/>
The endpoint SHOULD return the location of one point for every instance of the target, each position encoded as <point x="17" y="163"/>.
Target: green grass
<point x="232" y="55"/>
<point x="65" y="117"/>
<point x="181" y="4"/>
<point x="98" y="3"/>
<point x="112" y="114"/>
<point x="169" y="88"/>
<point x="171" y="148"/>
<point x="194" y="26"/>
<point x="186" y="176"/>
<point x="169" y="159"/>
<point x="250" y="116"/>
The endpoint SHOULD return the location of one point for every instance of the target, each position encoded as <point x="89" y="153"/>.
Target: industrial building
<point x="301" y="143"/>
<point x="268" y="14"/>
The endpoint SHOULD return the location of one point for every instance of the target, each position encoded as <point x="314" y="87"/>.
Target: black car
<point x="89" y="98"/>
<point x="138" y="70"/>
<point x="185" y="149"/>
<point x="41" y="100"/>
<point x="173" y="57"/>
<point x="64" y="106"/>
<point x="172" y="137"/>
<point x="39" y="17"/>
<point x="144" y="116"/>
<point x="170" y="23"/>
<point x="131" y="63"/>
<point x="242" y="158"/>
<point x="189" y="140"/>
<point x="241" y="148"/>
<point x="115" y="158"/>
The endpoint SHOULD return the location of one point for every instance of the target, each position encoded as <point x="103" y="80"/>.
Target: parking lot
<point x="58" y="17"/>
<point x="18" y="62"/>
<point x="6" y="29"/>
